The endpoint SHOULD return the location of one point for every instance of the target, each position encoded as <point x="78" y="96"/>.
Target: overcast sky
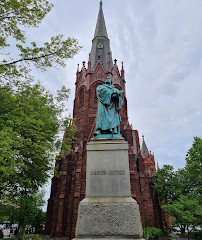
<point x="160" y="43"/>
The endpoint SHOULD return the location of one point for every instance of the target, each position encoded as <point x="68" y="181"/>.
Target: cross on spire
<point x="100" y="30"/>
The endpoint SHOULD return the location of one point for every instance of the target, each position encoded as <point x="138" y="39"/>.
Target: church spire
<point x="101" y="30"/>
<point x="144" y="149"/>
<point x="100" y="42"/>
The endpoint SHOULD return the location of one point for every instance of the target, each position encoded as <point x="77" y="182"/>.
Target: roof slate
<point x="100" y="44"/>
<point x="144" y="149"/>
<point x="100" y="30"/>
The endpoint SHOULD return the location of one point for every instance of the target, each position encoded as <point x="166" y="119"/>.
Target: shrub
<point x="196" y="234"/>
<point x="30" y="236"/>
<point x="165" y="232"/>
<point x="34" y="237"/>
<point x="152" y="233"/>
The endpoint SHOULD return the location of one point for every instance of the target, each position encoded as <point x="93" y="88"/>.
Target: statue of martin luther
<point x="108" y="119"/>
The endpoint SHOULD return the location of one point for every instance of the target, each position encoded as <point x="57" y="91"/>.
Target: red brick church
<point x="68" y="189"/>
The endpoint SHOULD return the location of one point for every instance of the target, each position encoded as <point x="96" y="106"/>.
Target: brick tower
<point x="68" y="189"/>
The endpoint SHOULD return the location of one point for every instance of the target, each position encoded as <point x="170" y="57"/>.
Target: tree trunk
<point x="182" y="228"/>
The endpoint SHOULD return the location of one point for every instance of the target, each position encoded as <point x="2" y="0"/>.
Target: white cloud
<point x="164" y="72"/>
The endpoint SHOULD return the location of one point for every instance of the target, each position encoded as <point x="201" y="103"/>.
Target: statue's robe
<point x="108" y="116"/>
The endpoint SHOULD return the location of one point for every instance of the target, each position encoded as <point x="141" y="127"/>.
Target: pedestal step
<point x="108" y="218"/>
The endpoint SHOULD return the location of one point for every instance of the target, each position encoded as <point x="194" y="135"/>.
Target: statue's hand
<point x="114" y="94"/>
<point x="120" y="92"/>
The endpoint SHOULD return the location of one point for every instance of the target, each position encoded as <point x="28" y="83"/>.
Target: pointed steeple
<point x="144" y="149"/>
<point x="100" y="42"/>
<point x="101" y="30"/>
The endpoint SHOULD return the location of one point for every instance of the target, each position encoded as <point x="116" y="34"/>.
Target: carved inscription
<point x="96" y="172"/>
<point x="116" y="172"/>
<point x="109" y="172"/>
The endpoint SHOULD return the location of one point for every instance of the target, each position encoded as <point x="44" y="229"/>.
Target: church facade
<point x="68" y="188"/>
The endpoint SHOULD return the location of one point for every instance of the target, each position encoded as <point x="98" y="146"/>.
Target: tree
<point x="170" y="184"/>
<point x="15" y="17"/>
<point x="186" y="212"/>
<point x="30" y="117"/>
<point x="30" y="211"/>
<point x="166" y="183"/>
<point x="30" y="120"/>
<point x="180" y="191"/>
<point x="193" y="168"/>
<point x="27" y="210"/>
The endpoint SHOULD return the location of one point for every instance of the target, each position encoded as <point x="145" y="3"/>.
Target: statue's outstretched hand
<point x="120" y="92"/>
<point x="114" y="95"/>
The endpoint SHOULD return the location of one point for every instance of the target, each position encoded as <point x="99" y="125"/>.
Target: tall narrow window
<point x="81" y="98"/>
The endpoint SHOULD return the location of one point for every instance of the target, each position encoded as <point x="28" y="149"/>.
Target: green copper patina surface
<point x="108" y="119"/>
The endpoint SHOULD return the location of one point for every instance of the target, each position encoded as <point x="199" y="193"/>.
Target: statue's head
<point x="108" y="80"/>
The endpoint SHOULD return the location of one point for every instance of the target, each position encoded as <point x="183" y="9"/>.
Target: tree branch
<point x="27" y="59"/>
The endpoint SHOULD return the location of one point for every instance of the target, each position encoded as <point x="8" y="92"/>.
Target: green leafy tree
<point x="15" y="17"/>
<point x="166" y="183"/>
<point x="27" y="210"/>
<point x="186" y="213"/>
<point x="170" y="183"/>
<point x="30" y="121"/>
<point x="30" y="211"/>
<point x="30" y="117"/>
<point x="7" y="211"/>
<point x="193" y="168"/>
<point x="181" y="190"/>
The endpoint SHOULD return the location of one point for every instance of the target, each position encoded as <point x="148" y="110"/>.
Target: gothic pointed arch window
<point x="81" y="97"/>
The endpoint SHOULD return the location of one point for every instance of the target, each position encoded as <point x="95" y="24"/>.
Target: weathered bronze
<point x="108" y="119"/>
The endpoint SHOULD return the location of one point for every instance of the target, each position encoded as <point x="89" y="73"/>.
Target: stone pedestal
<point x="108" y="211"/>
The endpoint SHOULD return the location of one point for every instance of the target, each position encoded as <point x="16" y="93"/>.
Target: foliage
<point x="30" y="121"/>
<point x="170" y="184"/>
<point x="187" y="212"/>
<point x="152" y="233"/>
<point x="196" y="234"/>
<point x="193" y="168"/>
<point x="181" y="190"/>
<point x="30" y="211"/>
<point x="31" y="236"/>
<point x="165" y="231"/>
<point x="34" y="237"/>
<point x="19" y="235"/>
<point x="15" y="17"/>
<point x="167" y="184"/>
<point x="27" y="211"/>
